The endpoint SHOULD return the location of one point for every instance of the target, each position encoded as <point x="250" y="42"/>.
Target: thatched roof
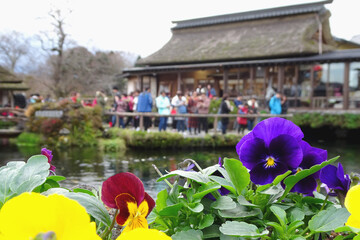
<point x="9" y="81"/>
<point x="270" y="33"/>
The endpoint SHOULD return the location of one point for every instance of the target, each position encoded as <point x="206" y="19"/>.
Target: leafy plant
<point x="201" y="209"/>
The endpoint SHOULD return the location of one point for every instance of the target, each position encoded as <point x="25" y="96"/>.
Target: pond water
<point x="90" y="166"/>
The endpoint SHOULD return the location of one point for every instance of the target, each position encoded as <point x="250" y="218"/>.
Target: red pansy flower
<point x="125" y="192"/>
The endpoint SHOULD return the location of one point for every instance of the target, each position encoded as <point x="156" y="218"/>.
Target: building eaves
<point x="253" y="15"/>
<point x="334" y="56"/>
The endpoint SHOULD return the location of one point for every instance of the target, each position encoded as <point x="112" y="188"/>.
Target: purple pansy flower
<point x="48" y="154"/>
<point x="335" y="178"/>
<point x="270" y="149"/>
<point x="311" y="156"/>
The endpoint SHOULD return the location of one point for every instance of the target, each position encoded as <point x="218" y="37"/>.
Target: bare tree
<point x="13" y="46"/>
<point x="54" y="44"/>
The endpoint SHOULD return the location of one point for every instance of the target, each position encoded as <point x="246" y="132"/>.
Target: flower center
<point x="270" y="162"/>
<point x="299" y="169"/>
<point x="45" y="236"/>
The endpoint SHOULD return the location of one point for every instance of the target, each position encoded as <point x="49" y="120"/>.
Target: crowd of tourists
<point x="191" y="102"/>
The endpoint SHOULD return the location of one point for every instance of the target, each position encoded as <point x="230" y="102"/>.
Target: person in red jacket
<point x="242" y="122"/>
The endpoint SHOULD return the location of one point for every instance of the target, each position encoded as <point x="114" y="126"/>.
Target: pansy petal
<point x="252" y="152"/>
<point x="122" y="183"/>
<point x="353" y="221"/>
<point x="144" y="208"/>
<point x="151" y="203"/>
<point x="306" y="185"/>
<point x="328" y="176"/>
<point x="352" y="201"/>
<point x="270" y="128"/>
<point x="142" y="233"/>
<point x="310" y="159"/>
<point x="243" y="139"/>
<point x="261" y="175"/>
<point x="286" y="149"/>
<point x="127" y="206"/>
<point x="139" y="222"/>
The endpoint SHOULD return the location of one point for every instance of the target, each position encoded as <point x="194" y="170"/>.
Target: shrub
<point x="29" y="139"/>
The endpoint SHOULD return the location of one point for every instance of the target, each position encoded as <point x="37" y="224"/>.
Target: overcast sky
<point x="143" y="26"/>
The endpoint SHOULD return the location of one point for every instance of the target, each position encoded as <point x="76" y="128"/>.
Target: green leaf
<point x="238" y="174"/>
<point x="211" y="232"/>
<point x="196" y="207"/>
<point x="296" y="214"/>
<point x="357" y="237"/>
<point x="93" y="206"/>
<point x="161" y="200"/>
<point x="209" y="170"/>
<point x="225" y="183"/>
<point x="276" y="181"/>
<point x="239" y="212"/>
<point x="7" y="174"/>
<point x="241" y="229"/>
<point x="84" y="191"/>
<point x="171" y="210"/>
<point x="56" y="178"/>
<point x="227" y="237"/>
<point x="205" y="189"/>
<point x="30" y="175"/>
<point x="207" y="221"/>
<point x="347" y="229"/>
<point x="188" y="235"/>
<point x="196" y="176"/>
<point x="279" y="229"/>
<point x="328" y="220"/>
<point x="280" y="215"/>
<point x="242" y="200"/>
<point x="298" y="238"/>
<point x="224" y="203"/>
<point x="293" y="179"/>
<point x="294" y="225"/>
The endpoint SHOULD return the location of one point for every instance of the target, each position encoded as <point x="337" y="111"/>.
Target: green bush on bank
<point x="317" y="120"/>
<point x="112" y="145"/>
<point x="163" y="140"/>
<point x="27" y="139"/>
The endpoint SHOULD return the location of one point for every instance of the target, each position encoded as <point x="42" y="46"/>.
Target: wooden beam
<point x="346" y="86"/>
<point x="312" y="82"/>
<point x="252" y="79"/>
<point x="281" y="76"/>
<point x="178" y="81"/>
<point x="141" y="79"/>
<point x="327" y="85"/>
<point x="296" y="81"/>
<point x="266" y="80"/>
<point x="226" y="80"/>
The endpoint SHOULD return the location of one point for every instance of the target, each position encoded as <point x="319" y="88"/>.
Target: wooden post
<point x="296" y="81"/>
<point x="266" y="81"/>
<point x="327" y="85"/>
<point x="141" y="122"/>
<point x="226" y="79"/>
<point x="179" y="81"/>
<point x="346" y="86"/>
<point x="312" y="82"/>
<point x="281" y="75"/>
<point x="215" y="123"/>
<point x="141" y="82"/>
<point x="252" y="79"/>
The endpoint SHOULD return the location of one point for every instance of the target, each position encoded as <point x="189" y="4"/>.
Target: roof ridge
<point x="252" y="15"/>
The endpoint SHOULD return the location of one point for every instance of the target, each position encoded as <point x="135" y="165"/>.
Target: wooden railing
<point x="216" y="117"/>
<point x="13" y="114"/>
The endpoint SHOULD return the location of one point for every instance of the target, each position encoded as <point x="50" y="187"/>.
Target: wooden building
<point x="9" y="84"/>
<point x="289" y="49"/>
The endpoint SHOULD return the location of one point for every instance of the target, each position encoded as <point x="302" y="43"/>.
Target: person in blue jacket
<point x="145" y="105"/>
<point x="275" y="104"/>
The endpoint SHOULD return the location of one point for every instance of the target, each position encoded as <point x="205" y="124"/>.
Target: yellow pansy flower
<point x="30" y="214"/>
<point x="143" y="233"/>
<point x="352" y="204"/>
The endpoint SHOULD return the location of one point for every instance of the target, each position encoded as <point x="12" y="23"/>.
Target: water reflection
<point x="90" y="166"/>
